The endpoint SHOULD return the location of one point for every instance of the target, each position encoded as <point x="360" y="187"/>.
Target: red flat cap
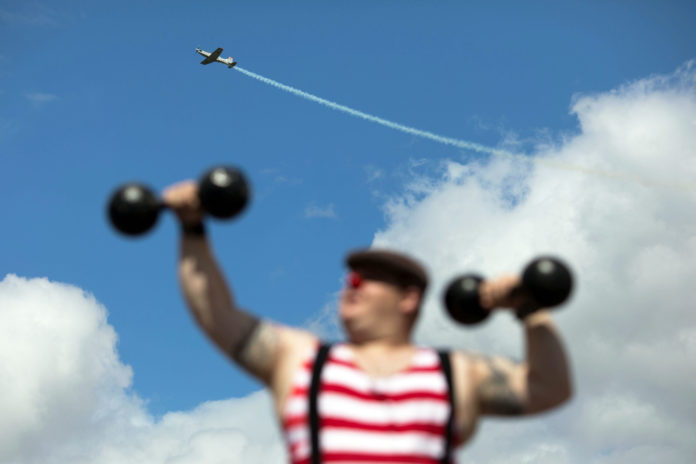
<point x="396" y="267"/>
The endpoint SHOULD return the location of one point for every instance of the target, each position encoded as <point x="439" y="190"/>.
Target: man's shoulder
<point x="295" y="346"/>
<point x="296" y="341"/>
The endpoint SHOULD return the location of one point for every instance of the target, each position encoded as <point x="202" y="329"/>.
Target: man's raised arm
<point x="256" y="345"/>
<point x="541" y="382"/>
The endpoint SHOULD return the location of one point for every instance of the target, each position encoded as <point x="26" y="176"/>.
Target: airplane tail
<point x="231" y="65"/>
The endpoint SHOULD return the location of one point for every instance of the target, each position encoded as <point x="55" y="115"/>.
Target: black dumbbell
<point x="546" y="281"/>
<point x="134" y="208"/>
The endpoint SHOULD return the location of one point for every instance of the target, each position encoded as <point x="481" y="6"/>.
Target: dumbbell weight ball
<point x="134" y="208"/>
<point x="546" y="280"/>
<point x="223" y="192"/>
<point x="462" y="300"/>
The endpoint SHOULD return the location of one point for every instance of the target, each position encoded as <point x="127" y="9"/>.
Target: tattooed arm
<point x="539" y="383"/>
<point x="257" y="346"/>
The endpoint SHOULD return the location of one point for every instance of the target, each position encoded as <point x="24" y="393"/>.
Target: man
<point x="377" y="397"/>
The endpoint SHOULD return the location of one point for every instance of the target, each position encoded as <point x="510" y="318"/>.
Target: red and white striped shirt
<point x="397" y="419"/>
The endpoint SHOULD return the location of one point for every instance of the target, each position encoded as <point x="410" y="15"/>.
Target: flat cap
<point x="396" y="267"/>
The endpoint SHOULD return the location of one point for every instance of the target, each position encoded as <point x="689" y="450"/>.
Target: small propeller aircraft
<point x="215" y="56"/>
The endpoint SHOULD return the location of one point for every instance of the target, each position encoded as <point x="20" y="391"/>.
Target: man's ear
<point x="411" y="300"/>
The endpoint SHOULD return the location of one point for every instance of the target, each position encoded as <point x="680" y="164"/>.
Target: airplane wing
<point x="212" y="57"/>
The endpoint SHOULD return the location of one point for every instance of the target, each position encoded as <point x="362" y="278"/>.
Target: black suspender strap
<point x="313" y="393"/>
<point x="447" y="370"/>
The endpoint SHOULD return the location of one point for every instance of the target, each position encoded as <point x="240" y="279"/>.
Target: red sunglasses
<point x="354" y="280"/>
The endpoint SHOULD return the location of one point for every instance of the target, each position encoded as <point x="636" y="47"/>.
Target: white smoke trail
<point x="463" y="143"/>
<point x="400" y="127"/>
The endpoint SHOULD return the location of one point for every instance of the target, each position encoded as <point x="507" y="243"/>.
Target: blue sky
<point x="98" y="93"/>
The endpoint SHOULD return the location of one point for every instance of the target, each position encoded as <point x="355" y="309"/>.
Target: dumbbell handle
<point x="545" y="282"/>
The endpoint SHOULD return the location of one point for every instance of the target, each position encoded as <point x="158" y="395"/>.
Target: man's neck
<point x="381" y="345"/>
<point x="380" y="358"/>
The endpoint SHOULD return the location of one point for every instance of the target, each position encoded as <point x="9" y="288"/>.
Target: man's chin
<point x="347" y="322"/>
<point x="354" y="331"/>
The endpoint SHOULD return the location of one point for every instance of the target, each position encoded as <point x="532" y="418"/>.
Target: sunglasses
<point x="354" y="280"/>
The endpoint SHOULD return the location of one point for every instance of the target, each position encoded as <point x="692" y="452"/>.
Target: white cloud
<point x="66" y="396"/>
<point x="280" y="178"/>
<point x="324" y="323"/>
<point x="38" y="98"/>
<point x="60" y="371"/>
<point x="315" y="211"/>
<point x="631" y="239"/>
<point x="373" y="173"/>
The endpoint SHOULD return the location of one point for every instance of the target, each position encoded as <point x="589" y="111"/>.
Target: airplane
<point x="215" y="56"/>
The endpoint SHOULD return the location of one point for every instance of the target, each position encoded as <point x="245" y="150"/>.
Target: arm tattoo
<point x="247" y="325"/>
<point x="497" y="397"/>
<point x="257" y="348"/>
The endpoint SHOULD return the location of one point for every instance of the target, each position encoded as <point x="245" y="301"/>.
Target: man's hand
<point x="501" y="292"/>
<point x="182" y="198"/>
